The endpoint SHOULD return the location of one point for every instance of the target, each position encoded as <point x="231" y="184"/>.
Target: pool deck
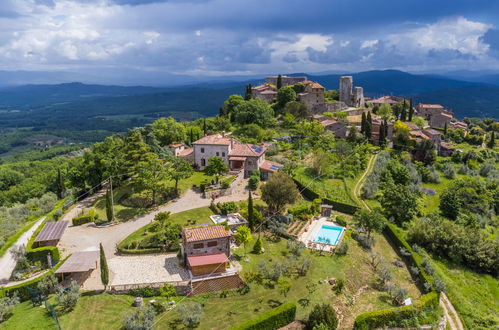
<point x="307" y="237"/>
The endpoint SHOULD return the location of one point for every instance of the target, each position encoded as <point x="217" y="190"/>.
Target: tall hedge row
<point x="338" y="206"/>
<point x="272" y="319"/>
<point x="394" y="316"/>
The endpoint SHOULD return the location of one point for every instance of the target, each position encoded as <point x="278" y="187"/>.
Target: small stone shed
<point x="79" y="266"/>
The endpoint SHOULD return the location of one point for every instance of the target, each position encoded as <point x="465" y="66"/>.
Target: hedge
<point x="22" y="288"/>
<point x="272" y="319"/>
<point x="338" y="206"/>
<point x="89" y="217"/>
<point x="139" y="251"/>
<point x="415" y="259"/>
<point x="395" y="316"/>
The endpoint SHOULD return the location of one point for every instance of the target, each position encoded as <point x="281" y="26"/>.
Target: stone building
<point x="390" y="100"/>
<point x="264" y="92"/>
<point x="206" y="250"/>
<point x="439" y="120"/>
<point x="375" y="131"/>
<point x="434" y="135"/>
<point x="338" y="127"/>
<point x="285" y="80"/>
<point x="312" y="96"/>
<point x="350" y="96"/>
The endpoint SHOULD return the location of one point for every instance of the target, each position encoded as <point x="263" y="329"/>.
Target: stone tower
<point x="346" y="83"/>
<point x="358" y="97"/>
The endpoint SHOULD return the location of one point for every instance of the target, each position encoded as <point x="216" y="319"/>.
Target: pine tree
<point x="279" y="82"/>
<point x="363" y="124"/>
<point x="403" y="115"/>
<point x="251" y="213"/>
<point x="411" y="110"/>
<point x="109" y="207"/>
<point x="104" y="270"/>
<point x="61" y="187"/>
<point x="492" y="141"/>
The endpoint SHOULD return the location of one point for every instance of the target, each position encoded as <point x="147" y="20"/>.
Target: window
<point x="223" y="154"/>
<point x="218" y="154"/>
<point x="250" y="162"/>
<point x="212" y="243"/>
<point x="203" y="162"/>
<point x="202" y="150"/>
<point x="198" y="245"/>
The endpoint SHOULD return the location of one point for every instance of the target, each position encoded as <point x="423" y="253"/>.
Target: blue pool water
<point x="328" y="235"/>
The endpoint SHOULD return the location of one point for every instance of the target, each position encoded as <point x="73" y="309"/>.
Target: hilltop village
<point x="295" y="207"/>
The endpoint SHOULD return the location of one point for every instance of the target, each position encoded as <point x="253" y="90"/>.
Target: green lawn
<point x="186" y="218"/>
<point x="474" y="296"/>
<point x="335" y="189"/>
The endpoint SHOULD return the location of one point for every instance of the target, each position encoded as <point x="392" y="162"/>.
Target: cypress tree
<point x="382" y="134"/>
<point x="191" y="136"/>
<point x="247" y="96"/>
<point x="251" y="216"/>
<point x="279" y="82"/>
<point x="104" y="271"/>
<point x="204" y="126"/>
<point x="363" y="124"/>
<point x="403" y="115"/>
<point x="61" y="188"/>
<point x="386" y="128"/>
<point x="492" y="141"/>
<point x="445" y="129"/>
<point x="109" y="207"/>
<point x="411" y="110"/>
<point x="369" y="126"/>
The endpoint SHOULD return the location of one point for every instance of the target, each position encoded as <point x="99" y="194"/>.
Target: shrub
<point x="141" y="199"/>
<point x="7" y="304"/>
<point x="147" y="291"/>
<point x="48" y="285"/>
<point x="253" y="182"/>
<point x="339" y="285"/>
<point x="271" y="319"/>
<point x="258" y="247"/>
<point x="322" y="314"/>
<point x="449" y="171"/>
<point x="191" y="313"/>
<point x="89" y="217"/>
<point x="341" y="220"/>
<point x="364" y="241"/>
<point x="342" y="249"/>
<point x="167" y="290"/>
<point x="141" y="319"/>
<point x="227" y="207"/>
<point x="68" y="298"/>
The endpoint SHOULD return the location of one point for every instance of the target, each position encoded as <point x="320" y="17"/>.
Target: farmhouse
<point x="206" y="250"/>
<point x="312" y="96"/>
<point x="236" y="155"/>
<point x="265" y="92"/>
<point x="440" y="120"/>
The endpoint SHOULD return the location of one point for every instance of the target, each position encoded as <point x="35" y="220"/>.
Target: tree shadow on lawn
<point x="274" y="303"/>
<point x="175" y="323"/>
<point x="130" y="213"/>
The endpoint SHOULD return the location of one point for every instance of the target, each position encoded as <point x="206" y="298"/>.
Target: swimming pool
<point x="328" y="235"/>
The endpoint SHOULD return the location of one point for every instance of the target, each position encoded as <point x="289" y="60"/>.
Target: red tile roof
<point x="269" y="166"/>
<point x="216" y="139"/>
<point x="176" y="145"/>
<point x="204" y="233"/>
<point x="419" y="134"/>
<point x="246" y="150"/>
<point x="186" y="152"/>
<point x="328" y="122"/>
<point x="430" y="106"/>
<point x="208" y="259"/>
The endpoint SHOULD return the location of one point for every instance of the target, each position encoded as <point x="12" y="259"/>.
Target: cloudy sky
<point x="234" y="37"/>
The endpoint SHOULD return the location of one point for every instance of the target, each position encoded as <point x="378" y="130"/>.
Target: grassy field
<point x="186" y="218"/>
<point x="335" y="189"/>
<point x="474" y="296"/>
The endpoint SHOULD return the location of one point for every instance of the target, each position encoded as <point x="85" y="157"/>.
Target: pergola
<point x="79" y="264"/>
<point x="51" y="233"/>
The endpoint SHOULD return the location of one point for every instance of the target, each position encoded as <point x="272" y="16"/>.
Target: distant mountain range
<point x="77" y="105"/>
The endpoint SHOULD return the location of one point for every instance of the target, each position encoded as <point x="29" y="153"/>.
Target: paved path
<point x="88" y="236"/>
<point x="7" y="262"/>
<point x="451" y="315"/>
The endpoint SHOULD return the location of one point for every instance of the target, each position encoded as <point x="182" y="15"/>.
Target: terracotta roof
<point x="432" y="131"/>
<point x="419" y="134"/>
<point x="186" y="152"/>
<point x="312" y="84"/>
<point x="208" y="259"/>
<point x="328" y="122"/>
<point x="269" y="92"/>
<point x="269" y="166"/>
<point x="430" y="106"/>
<point x="387" y="99"/>
<point x="445" y="114"/>
<point x="217" y="139"/>
<point x="176" y="145"/>
<point x="459" y="124"/>
<point x="237" y="158"/>
<point x="319" y="117"/>
<point x="412" y="126"/>
<point x="52" y="231"/>
<point x="446" y="145"/>
<point x="246" y="150"/>
<point x="79" y="262"/>
<point x="204" y="233"/>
